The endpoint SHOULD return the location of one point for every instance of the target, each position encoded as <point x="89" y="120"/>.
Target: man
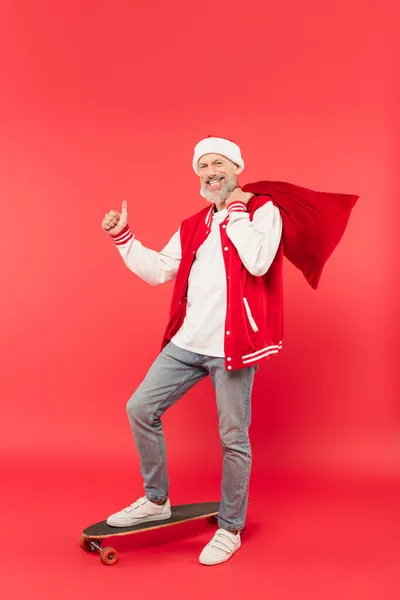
<point x="227" y="262"/>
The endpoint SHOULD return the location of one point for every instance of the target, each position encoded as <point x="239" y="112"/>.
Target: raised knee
<point x="136" y="408"/>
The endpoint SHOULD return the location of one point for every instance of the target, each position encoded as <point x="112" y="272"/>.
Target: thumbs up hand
<point x="114" y="221"/>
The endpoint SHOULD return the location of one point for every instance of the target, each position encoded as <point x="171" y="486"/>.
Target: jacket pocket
<point x="249" y="315"/>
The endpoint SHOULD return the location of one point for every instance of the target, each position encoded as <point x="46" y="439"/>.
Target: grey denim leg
<point x="233" y="396"/>
<point x="172" y="374"/>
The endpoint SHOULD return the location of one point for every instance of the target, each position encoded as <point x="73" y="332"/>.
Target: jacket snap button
<point x="229" y="358"/>
<point x="226" y="248"/>
<point x="229" y="367"/>
<point x="227" y="333"/>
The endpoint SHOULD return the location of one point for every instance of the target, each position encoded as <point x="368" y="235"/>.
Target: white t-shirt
<point x="203" y="328"/>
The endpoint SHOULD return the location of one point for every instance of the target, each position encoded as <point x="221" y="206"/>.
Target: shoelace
<point x="222" y="542"/>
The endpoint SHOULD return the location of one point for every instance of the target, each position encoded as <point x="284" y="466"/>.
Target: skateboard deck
<point x="93" y="536"/>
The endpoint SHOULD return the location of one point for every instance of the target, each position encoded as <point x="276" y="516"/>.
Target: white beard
<point x="219" y="196"/>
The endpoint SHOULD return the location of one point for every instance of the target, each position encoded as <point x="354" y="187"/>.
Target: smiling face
<point x="217" y="177"/>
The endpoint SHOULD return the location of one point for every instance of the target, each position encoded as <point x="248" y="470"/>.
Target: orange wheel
<point x="84" y="544"/>
<point x="212" y="519"/>
<point x="109" y="556"/>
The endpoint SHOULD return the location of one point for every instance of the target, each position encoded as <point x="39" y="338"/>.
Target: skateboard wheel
<point x="212" y="519"/>
<point x="109" y="556"/>
<point x="85" y="544"/>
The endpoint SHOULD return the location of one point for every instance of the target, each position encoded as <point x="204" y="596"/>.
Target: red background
<point x="104" y="101"/>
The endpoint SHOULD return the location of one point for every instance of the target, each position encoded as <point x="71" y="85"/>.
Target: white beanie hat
<point x="216" y="145"/>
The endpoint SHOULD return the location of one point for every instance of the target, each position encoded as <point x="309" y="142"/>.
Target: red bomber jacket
<point x="254" y="317"/>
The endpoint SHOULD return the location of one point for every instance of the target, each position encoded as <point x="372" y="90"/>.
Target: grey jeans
<point x="172" y="374"/>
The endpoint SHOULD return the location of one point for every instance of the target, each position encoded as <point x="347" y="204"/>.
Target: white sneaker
<point x="141" y="511"/>
<point x="222" y="546"/>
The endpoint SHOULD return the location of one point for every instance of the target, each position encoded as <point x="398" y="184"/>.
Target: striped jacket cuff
<point x="236" y="206"/>
<point x="124" y="236"/>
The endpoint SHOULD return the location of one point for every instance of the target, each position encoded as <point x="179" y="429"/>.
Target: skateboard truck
<point x="108" y="555"/>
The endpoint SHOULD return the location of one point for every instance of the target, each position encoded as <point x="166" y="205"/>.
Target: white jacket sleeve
<point x="256" y="241"/>
<point x="151" y="266"/>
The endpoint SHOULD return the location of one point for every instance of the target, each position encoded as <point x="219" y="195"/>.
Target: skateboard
<point x="93" y="536"/>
